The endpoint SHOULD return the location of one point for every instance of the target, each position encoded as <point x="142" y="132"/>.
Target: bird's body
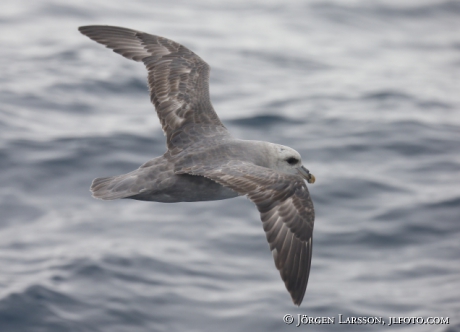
<point x="159" y="179"/>
<point x="205" y="162"/>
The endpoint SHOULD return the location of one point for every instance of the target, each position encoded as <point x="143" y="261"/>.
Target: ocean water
<point x="367" y="91"/>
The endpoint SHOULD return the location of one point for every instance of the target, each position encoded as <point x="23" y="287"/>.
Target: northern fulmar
<point x="204" y="162"/>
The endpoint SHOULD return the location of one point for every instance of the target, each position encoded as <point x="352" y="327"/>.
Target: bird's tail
<point x="120" y="186"/>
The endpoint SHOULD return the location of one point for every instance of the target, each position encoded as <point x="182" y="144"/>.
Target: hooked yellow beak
<point x="306" y="174"/>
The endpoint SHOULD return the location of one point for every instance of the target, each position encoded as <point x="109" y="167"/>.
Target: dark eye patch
<point x="292" y="161"/>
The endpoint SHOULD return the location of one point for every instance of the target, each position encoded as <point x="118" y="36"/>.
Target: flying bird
<point x="204" y="162"/>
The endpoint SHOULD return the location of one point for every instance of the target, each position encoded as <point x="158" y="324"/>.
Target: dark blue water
<point x="368" y="92"/>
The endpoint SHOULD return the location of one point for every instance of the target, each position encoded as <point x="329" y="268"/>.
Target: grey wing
<point x="286" y="211"/>
<point x="178" y="79"/>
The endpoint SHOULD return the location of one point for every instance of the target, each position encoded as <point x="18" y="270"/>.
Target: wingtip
<point x="297" y="297"/>
<point x="300" y="288"/>
<point x="299" y="293"/>
<point x="84" y="29"/>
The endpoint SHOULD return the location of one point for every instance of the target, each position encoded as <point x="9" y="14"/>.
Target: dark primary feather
<point x="286" y="211"/>
<point x="178" y="79"/>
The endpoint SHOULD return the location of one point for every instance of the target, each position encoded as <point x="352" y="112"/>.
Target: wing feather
<point x="286" y="211"/>
<point x="178" y="78"/>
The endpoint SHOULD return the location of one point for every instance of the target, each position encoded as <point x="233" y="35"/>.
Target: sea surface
<point x="367" y="91"/>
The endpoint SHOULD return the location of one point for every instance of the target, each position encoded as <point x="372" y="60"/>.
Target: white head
<point x="287" y="160"/>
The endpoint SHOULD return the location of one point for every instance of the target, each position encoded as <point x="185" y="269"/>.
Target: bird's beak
<point x="306" y="174"/>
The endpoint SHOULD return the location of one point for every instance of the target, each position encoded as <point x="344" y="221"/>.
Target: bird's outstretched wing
<point x="178" y="78"/>
<point x="286" y="211"/>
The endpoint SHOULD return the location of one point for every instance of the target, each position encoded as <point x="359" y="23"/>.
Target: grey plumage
<point x="178" y="78"/>
<point x="204" y="162"/>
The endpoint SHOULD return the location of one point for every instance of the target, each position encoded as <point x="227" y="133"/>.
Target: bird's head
<point x="287" y="160"/>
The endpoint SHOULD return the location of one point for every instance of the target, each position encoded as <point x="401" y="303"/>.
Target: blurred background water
<point x="368" y="92"/>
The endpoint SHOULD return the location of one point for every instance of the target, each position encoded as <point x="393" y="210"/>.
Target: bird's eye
<point x="292" y="161"/>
